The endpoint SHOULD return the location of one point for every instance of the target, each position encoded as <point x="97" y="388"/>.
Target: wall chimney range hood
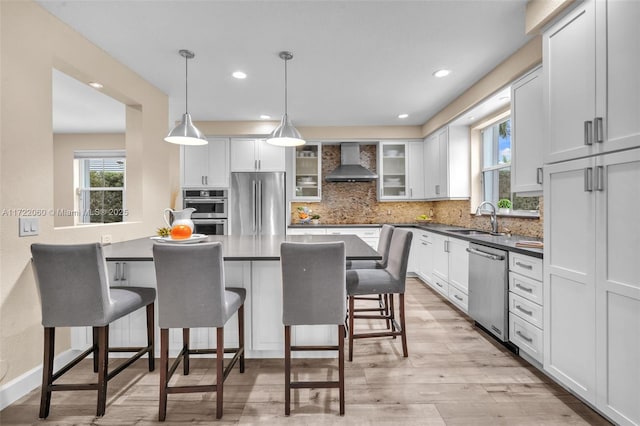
<point x="350" y="169"/>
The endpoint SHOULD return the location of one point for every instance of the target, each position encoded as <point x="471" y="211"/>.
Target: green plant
<point x="504" y="203"/>
<point x="315" y="216"/>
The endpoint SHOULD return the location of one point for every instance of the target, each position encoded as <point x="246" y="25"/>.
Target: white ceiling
<point x="355" y="62"/>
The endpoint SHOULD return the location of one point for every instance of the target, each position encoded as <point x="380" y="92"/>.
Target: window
<point x="101" y="186"/>
<point x="496" y="168"/>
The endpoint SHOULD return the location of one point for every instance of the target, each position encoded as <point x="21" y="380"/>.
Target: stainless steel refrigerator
<point x="258" y="204"/>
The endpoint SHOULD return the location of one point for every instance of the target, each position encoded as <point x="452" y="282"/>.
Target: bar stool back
<point x="74" y="292"/>
<point x="192" y="293"/>
<point x="313" y="292"/>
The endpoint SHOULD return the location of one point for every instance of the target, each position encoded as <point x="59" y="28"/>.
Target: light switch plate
<point x="28" y="226"/>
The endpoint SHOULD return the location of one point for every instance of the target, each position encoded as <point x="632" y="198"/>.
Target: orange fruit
<point x="180" y="232"/>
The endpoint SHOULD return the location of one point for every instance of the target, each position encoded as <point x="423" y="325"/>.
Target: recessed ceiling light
<point x="442" y="73"/>
<point x="504" y="98"/>
<point x="265" y="116"/>
<point x="239" y="75"/>
<point x="471" y="117"/>
<point x="95" y="85"/>
<point x="403" y="115"/>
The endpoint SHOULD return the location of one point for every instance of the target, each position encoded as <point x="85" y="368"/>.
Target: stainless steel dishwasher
<point x="488" y="281"/>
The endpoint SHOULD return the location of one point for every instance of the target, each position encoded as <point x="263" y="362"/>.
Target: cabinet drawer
<point x="525" y="309"/>
<point x="526" y="287"/>
<point x="458" y="298"/>
<point x="526" y="337"/>
<point x="526" y="265"/>
<point x="440" y="285"/>
<point x="360" y="232"/>
<point x="310" y="231"/>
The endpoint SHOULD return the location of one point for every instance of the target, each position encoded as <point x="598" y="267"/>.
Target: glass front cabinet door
<point x="393" y="171"/>
<point x="308" y="172"/>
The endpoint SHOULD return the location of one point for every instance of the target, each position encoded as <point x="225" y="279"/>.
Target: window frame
<point x="84" y="188"/>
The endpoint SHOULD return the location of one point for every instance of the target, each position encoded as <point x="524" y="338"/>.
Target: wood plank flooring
<point x="454" y="375"/>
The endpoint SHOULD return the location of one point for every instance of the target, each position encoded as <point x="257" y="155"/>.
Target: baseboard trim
<point x="20" y="386"/>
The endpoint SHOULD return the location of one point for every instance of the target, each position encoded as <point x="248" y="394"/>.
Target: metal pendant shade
<point x="285" y="134"/>
<point x="185" y="133"/>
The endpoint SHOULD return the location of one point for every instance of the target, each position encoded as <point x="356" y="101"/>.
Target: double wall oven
<point x="211" y="213"/>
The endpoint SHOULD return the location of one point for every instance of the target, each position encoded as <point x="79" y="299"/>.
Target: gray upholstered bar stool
<point x="313" y="293"/>
<point x="192" y="293"/>
<point x="384" y="242"/>
<point x="74" y="292"/>
<point x="390" y="280"/>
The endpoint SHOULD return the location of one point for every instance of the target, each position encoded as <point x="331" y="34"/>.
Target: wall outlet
<point x="105" y="239"/>
<point x="389" y="212"/>
<point x="28" y="226"/>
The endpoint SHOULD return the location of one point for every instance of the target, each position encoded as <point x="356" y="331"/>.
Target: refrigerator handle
<point x="254" y="202"/>
<point x="259" y="212"/>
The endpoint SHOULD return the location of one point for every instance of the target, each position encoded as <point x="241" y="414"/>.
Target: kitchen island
<point x="251" y="262"/>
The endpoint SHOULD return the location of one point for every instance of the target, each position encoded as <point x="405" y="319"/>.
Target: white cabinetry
<point x="444" y="265"/>
<point x="206" y="165"/>
<point x="251" y="155"/>
<point x="525" y="304"/>
<point x="592" y="280"/>
<point x="401" y="170"/>
<point x="422" y="248"/>
<point x="307" y="172"/>
<point x="527" y="133"/>
<point x="306" y="231"/>
<point x="447" y="163"/>
<point x="592" y="80"/>
<point x="459" y="273"/>
<point x="368" y="235"/>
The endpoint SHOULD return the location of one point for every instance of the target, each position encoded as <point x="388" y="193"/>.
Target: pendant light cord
<point x="285" y="86"/>
<point x="186" y="85"/>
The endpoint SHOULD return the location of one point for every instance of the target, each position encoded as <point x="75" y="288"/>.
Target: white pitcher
<point x="179" y="217"/>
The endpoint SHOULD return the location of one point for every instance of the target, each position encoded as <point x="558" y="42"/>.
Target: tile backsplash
<point x="357" y="203"/>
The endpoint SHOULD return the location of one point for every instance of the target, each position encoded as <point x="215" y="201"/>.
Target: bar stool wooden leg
<point x="287" y="370"/>
<point x="185" y="351"/>
<point x="241" y="335"/>
<point x="95" y="349"/>
<point x="403" y="326"/>
<point x="47" y="371"/>
<point x="351" y="314"/>
<point x="341" y="367"/>
<point x="103" y="361"/>
<point x="151" y="336"/>
<point x="219" y="370"/>
<point x="164" y="373"/>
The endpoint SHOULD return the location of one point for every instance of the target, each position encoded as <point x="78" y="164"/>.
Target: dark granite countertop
<point x="504" y="242"/>
<point x="236" y="248"/>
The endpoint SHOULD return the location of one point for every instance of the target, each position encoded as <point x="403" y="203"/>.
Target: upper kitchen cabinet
<point x="592" y="80"/>
<point x="307" y="172"/>
<point x="206" y="165"/>
<point x="527" y="133"/>
<point x="256" y="155"/>
<point x="447" y="164"/>
<point x="401" y="170"/>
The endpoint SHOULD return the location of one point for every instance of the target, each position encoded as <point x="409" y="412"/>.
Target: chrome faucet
<point x="494" y="218"/>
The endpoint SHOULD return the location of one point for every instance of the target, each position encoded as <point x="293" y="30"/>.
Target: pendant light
<point x="185" y="133"/>
<point x="285" y="134"/>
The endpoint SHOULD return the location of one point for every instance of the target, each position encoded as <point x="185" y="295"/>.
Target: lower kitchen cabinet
<point x="368" y="235"/>
<point x="526" y="305"/>
<point x="443" y="263"/>
<point x="592" y="280"/>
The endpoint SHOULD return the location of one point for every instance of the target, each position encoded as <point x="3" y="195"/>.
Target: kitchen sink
<point x="469" y="232"/>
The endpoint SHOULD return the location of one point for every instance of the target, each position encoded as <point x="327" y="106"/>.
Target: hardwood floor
<point x="454" y="375"/>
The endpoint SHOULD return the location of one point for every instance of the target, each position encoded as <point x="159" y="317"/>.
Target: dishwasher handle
<point x="483" y="254"/>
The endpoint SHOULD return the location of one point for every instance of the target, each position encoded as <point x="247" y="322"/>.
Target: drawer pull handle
<point x="458" y="297"/>
<point x="527" y="289"/>
<point x="528" y="339"/>
<point x="424" y="244"/>
<point x="438" y="284"/>
<point x="521" y="309"/>
<point x="588" y="132"/>
<point x="524" y="265"/>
